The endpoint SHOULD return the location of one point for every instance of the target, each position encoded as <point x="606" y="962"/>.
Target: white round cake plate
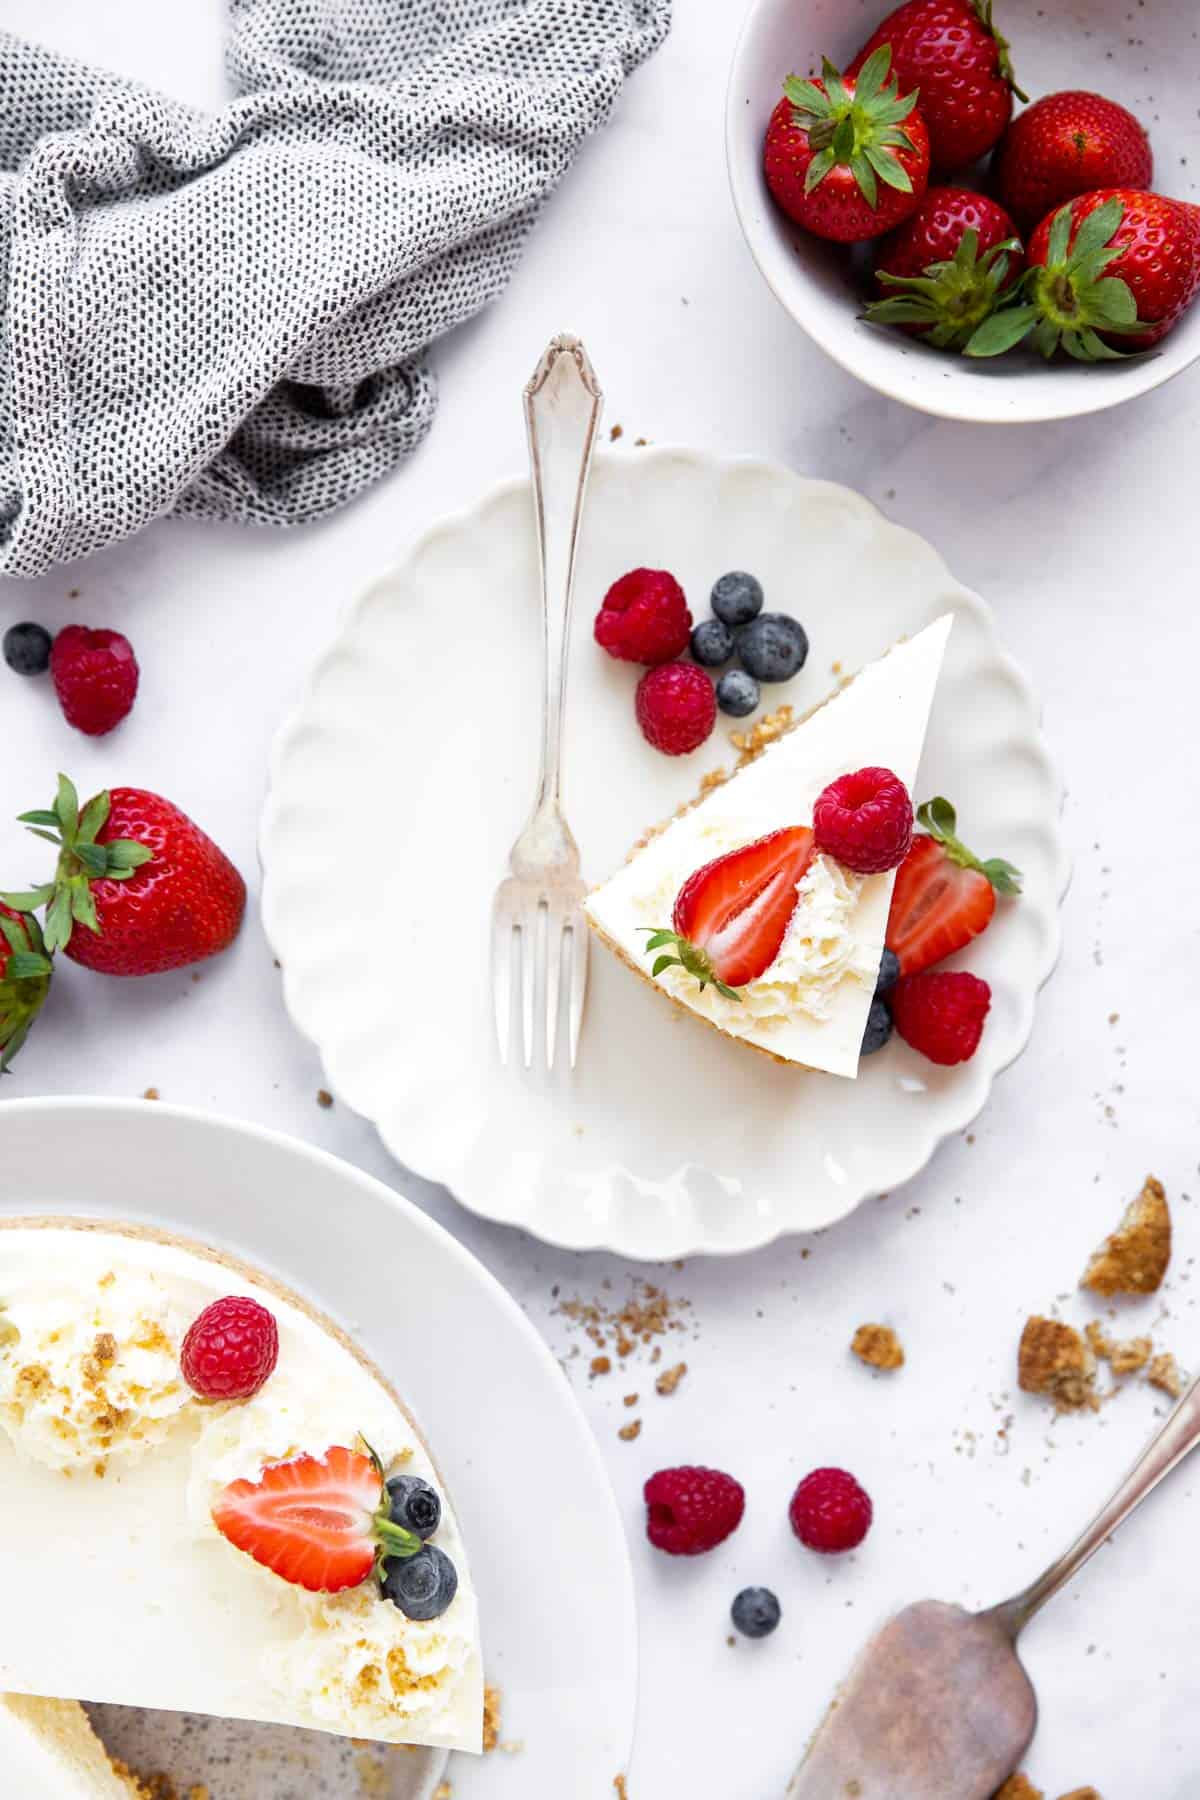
<point x="399" y="785"/>
<point x="456" y="1346"/>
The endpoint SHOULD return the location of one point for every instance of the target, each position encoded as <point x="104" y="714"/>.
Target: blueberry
<point x="773" y="647"/>
<point x="712" y="643"/>
<point x="737" y="693"/>
<point x="414" y="1504"/>
<point x="422" y="1586"/>
<point x="889" y="972"/>
<point x="737" y="598"/>
<point x="756" y="1612"/>
<point x="27" y="648"/>
<point x="879" y="1027"/>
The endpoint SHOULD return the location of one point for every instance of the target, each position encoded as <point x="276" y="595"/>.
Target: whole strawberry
<point x="950" y="51"/>
<point x="95" y="676"/>
<point x="25" y="971"/>
<point x="943" y="271"/>
<point x="1108" y="272"/>
<point x="1068" y="144"/>
<point x="845" y="157"/>
<point x="139" y="888"/>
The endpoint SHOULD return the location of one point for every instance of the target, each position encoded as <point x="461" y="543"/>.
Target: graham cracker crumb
<point x="443" y="1791"/>
<point x="647" y="1316"/>
<point x="630" y="1400"/>
<point x="1053" y="1360"/>
<point x="491" y="1717"/>
<point x="1018" y="1787"/>
<point x="879" y="1346"/>
<point x="1134" y="1259"/>
<point x="619" y="1787"/>
<point x="1164" y="1373"/>
<point x="629" y="1432"/>
<point x="1088" y="1793"/>
<point x="618" y="431"/>
<point x="670" y="1379"/>
<point x="764" y="731"/>
<point x="324" y="1098"/>
<point x="600" y="1365"/>
<point x="151" y="1094"/>
<point x="1123" y="1359"/>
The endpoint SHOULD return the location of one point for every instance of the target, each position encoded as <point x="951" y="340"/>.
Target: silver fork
<point x="537" y="913"/>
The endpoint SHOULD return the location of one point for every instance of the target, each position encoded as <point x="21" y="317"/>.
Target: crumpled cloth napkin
<point x="226" y="314"/>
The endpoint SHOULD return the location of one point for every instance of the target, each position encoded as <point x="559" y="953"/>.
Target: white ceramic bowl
<point x="1146" y="58"/>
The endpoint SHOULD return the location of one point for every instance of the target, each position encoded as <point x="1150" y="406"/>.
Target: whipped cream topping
<point x="90" y="1330"/>
<point x="89" y="1376"/>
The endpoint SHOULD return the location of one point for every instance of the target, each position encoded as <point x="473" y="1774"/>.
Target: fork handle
<point x="562" y="414"/>
<point x="1166" y="1451"/>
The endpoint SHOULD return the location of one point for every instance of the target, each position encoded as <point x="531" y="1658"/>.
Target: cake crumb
<point x="670" y="1379"/>
<point x="630" y="1400"/>
<point x="620" y="1788"/>
<point x="772" y="725"/>
<point x="151" y="1094"/>
<point x="324" y="1098"/>
<point x="443" y="1791"/>
<point x="1134" y="1259"/>
<point x="600" y="1365"/>
<point x="1123" y="1359"/>
<point x="629" y="1432"/>
<point x="879" y="1346"/>
<point x="1088" y="1793"/>
<point x="1019" y="1787"/>
<point x="618" y="431"/>
<point x="1164" y="1374"/>
<point x="1053" y="1360"/>
<point x="491" y="1717"/>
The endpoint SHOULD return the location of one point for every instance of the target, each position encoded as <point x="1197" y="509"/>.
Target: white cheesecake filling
<point x="820" y="950"/>
<point x="90" y="1387"/>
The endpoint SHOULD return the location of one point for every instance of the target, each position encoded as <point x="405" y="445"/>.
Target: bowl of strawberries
<point x="990" y="218"/>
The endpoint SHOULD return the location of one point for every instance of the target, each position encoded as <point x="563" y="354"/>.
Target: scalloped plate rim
<point x="951" y="1120"/>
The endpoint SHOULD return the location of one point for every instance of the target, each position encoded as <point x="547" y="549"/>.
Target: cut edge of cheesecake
<point x="761" y="741"/>
<point x="68" y="1750"/>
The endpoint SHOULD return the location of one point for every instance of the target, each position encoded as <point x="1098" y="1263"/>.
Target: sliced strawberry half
<point x="732" y="915"/>
<point x="319" y="1522"/>
<point x="944" y="896"/>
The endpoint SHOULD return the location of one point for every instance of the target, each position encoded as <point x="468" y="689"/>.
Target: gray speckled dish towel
<point x="226" y="314"/>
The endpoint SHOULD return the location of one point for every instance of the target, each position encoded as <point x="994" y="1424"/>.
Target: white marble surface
<point x="1083" y="539"/>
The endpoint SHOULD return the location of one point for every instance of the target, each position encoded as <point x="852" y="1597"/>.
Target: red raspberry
<point x="830" y="1512"/>
<point x="644" y="618"/>
<point x="865" y="820"/>
<point x="941" y="1014"/>
<point x="676" y="707"/>
<point x="95" y="676"/>
<point x="230" y="1350"/>
<point x="689" y="1511"/>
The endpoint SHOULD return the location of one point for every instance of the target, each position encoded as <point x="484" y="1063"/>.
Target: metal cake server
<point x="938" y="1706"/>
<point x="537" y="912"/>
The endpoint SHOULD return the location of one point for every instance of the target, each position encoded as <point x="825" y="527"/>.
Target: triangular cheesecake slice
<point x="810" y="1006"/>
<point x="48" y="1751"/>
<point x="289" y="1556"/>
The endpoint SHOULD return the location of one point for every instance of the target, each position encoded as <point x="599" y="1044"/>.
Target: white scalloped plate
<point x="399" y="785"/>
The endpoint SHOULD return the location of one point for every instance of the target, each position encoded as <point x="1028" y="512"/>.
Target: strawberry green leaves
<point x="939" y="819"/>
<point x="857" y="126"/>
<point x="68" y="898"/>
<point x="1067" y="300"/>
<point x="685" y="955"/>
<point x="952" y="299"/>
<point x="25" y="973"/>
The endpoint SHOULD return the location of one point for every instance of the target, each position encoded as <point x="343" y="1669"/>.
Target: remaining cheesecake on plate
<point x="809" y="1006"/>
<point x="213" y="1502"/>
<point x="48" y="1751"/>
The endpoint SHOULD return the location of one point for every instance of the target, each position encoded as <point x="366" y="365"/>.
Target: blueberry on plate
<point x="773" y="647"/>
<point x="737" y="693"/>
<point x="889" y="972"/>
<point x="422" y="1586"/>
<point x="879" y="1027"/>
<point x="414" y="1504"/>
<point x="737" y="598"/>
<point x="712" y="643"/>
<point x="27" y="648"/>
<point x="756" y="1612"/>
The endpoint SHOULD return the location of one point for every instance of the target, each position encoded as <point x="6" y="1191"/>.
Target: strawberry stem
<point x="687" y="956"/>
<point x="940" y="820"/>
<point x="68" y="898"/>
<point x="859" y="130"/>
